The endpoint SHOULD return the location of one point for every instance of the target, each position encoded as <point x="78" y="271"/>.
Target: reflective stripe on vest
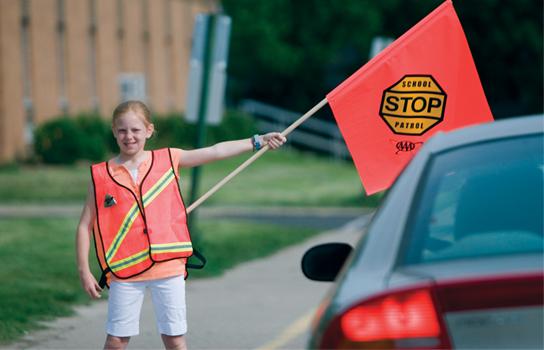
<point x="133" y="238"/>
<point x="134" y="211"/>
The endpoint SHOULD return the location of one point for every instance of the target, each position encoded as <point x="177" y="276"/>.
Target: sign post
<point x="207" y="80"/>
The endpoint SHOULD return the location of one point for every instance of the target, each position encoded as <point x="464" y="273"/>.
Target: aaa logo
<point x="413" y="105"/>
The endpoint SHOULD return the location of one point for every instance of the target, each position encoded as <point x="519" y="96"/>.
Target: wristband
<point x="256" y="142"/>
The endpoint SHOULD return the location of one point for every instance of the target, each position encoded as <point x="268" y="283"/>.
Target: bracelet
<point x="256" y="142"/>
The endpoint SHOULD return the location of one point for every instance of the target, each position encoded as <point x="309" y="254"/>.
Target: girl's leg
<point x="116" y="343"/>
<point x="176" y="342"/>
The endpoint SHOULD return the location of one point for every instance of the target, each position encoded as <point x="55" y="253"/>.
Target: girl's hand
<point x="90" y="285"/>
<point x="274" y="140"/>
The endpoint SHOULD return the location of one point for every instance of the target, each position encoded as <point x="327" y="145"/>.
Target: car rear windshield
<point x="480" y="200"/>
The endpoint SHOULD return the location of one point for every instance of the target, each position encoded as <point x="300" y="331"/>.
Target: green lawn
<point x="283" y="177"/>
<point x="42" y="183"/>
<point x="39" y="276"/>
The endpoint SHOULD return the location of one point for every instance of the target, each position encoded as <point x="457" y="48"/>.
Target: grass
<point x="42" y="183"/>
<point x="284" y="177"/>
<point x="39" y="274"/>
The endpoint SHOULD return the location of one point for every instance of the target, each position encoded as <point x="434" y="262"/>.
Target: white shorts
<point x="125" y="303"/>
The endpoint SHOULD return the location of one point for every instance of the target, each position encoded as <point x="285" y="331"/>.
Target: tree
<point x="291" y="53"/>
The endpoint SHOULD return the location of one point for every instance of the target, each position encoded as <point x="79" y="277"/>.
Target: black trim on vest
<point x="139" y="203"/>
<point x="104" y="278"/>
<point x="200" y="257"/>
<point x="107" y="270"/>
<point x="140" y="209"/>
<point x="196" y="253"/>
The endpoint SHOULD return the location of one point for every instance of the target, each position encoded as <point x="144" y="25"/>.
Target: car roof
<point x="503" y="128"/>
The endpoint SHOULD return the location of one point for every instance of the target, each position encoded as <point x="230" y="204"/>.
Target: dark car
<point x="453" y="258"/>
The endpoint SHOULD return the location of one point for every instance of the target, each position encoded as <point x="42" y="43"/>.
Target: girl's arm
<point x="222" y="150"/>
<point x="83" y="238"/>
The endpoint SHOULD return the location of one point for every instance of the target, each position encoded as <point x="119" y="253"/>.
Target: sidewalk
<point x="262" y="304"/>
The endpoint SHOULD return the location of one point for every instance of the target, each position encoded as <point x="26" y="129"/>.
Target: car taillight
<point x="414" y="318"/>
<point x="403" y="319"/>
<point x="409" y="315"/>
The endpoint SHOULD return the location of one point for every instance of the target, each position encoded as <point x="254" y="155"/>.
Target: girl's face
<point x="131" y="133"/>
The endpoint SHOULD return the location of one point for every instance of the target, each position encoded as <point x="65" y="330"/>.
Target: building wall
<point x="43" y="60"/>
<point x="108" y="55"/>
<point x="12" y="116"/>
<point x="70" y="56"/>
<point x="78" y="56"/>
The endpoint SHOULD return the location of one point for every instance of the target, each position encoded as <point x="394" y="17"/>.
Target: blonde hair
<point x="137" y="107"/>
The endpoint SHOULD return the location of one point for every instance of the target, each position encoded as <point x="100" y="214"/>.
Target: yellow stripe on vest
<point x="171" y="247"/>
<point x="158" y="187"/>
<point x="129" y="261"/>
<point x="123" y="230"/>
<point x="133" y="213"/>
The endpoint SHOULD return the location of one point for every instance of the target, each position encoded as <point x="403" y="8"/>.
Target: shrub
<point x="172" y="131"/>
<point x="88" y="136"/>
<point x="235" y="125"/>
<point x="97" y="137"/>
<point x="58" y="141"/>
<point x="65" y="140"/>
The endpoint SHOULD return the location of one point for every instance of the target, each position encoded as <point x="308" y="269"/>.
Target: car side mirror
<point x="324" y="261"/>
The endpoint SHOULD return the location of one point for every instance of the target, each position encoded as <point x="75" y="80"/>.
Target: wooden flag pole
<point x="254" y="157"/>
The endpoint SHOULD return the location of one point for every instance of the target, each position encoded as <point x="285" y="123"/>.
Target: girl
<point x="135" y="211"/>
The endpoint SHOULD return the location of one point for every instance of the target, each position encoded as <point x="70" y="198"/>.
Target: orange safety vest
<point x="134" y="232"/>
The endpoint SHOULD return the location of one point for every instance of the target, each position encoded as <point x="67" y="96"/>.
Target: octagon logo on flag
<point x="413" y="105"/>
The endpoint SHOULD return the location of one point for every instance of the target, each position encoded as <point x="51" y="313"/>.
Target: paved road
<point x="264" y="304"/>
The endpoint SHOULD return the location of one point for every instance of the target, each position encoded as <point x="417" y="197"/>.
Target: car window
<point x="480" y="200"/>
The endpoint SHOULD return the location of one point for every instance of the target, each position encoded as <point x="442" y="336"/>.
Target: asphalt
<point x="262" y="304"/>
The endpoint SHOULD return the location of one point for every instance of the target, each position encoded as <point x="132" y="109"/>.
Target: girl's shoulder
<point x="176" y="154"/>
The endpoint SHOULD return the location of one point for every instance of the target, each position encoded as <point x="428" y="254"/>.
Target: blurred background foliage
<point x="292" y="53"/>
<point x="65" y="140"/>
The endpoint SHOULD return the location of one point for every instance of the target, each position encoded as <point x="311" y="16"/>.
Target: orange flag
<point x="423" y="82"/>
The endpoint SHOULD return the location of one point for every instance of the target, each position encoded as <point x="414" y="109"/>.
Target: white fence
<point x="314" y="134"/>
